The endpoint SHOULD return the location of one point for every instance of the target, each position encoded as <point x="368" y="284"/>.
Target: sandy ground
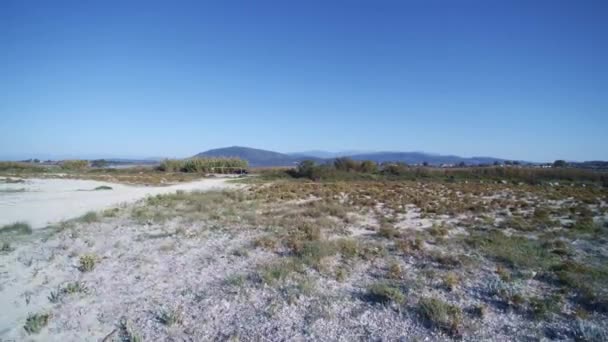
<point x="43" y="201"/>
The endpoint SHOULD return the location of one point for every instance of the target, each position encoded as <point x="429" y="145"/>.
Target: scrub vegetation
<point x="373" y="256"/>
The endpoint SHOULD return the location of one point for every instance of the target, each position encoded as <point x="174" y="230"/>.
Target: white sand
<point x="43" y="201"/>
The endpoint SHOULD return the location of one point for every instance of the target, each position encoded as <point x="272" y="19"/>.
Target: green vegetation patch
<point x="440" y="314"/>
<point x="35" y="322"/>
<point x="16" y="228"/>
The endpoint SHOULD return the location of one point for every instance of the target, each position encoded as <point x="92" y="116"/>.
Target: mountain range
<point x="262" y="158"/>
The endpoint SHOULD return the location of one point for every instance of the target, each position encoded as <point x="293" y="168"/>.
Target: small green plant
<point x="341" y="274"/>
<point x="271" y="273"/>
<point x="451" y="281"/>
<point x="543" y="307"/>
<point x="236" y="280"/>
<point x="438" y="231"/>
<point x="479" y="311"/>
<point x="384" y="292"/>
<point x="6" y="247"/>
<point x="127" y="333"/>
<point x="87" y="263"/>
<point x="268" y="242"/>
<point x="388" y="231"/>
<point x="440" y="314"/>
<point x="89" y="217"/>
<point x="55" y="296"/>
<point x="503" y="273"/>
<point x="103" y="187"/>
<point x="170" y="317"/>
<point x="75" y="287"/>
<point x="395" y="271"/>
<point x="35" y="322"/>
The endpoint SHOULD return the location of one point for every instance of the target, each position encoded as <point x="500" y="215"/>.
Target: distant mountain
<point x="325" y="154"/>
<point x="421" y="157"/>
<point x="256" y="157"/>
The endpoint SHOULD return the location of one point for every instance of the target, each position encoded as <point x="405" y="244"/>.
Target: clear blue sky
<point x="513" y="79"/>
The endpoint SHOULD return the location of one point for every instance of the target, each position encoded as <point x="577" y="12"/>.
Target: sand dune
<point x="43" y="201"/>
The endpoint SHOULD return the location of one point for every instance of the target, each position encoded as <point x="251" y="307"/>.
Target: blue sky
<point x="513" y="79"/>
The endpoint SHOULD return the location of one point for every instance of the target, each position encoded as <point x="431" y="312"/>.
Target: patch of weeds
<point x="543" y="307"/>
<point x="68" y="289"/>
<point x="35" y="322"/>
<point x="515" y="251"/>
<point x="278" y="271"/>
<point x="87" y="263"/>
<point x="441" y="315"/>
<point x="127" y="333"/>
<point x="503" y="273"/>
<point x="508" y="293"/>
<point x="517" y="223"/>
<point x="341" y="274"/>
<point x="585" y="225"/>
<point x="385" y="292"/>
<point x="348" y="248"/>
<point x="170" y="317"/>
<point x="110" y="212"/>
<point x="451" y="281"/>
<point x="406" y="246"/>
<point x="395" y="271"/>
<point x="75" y="287"/>
<point x="236" y="280"/>
<point x="446" y="260"/>
<point x="312" y="252"/>
<point x="240" y="252"/>
<point x="438" y="231"/>
<point x="6" y="247"/>
<point x="55" y="296"/>
<point x="268" y="242"/>
<point x="388" y="231"/>
<point x="16" y="228"/>
<point x="478" y="310"/>
<point x="542" y="217"/>
<point x="103" y="187"/>
<point x="89" y="217"/>
<point x="587" y="280"/>
<point x="370" y="251"/>
<point x="306" y="286"/>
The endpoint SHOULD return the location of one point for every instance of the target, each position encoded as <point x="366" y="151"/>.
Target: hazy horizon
<point x="514" y="80"/>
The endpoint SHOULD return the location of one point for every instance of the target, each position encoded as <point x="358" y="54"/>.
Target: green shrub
<point x="204" y="165"/>
<point x="440" y="314"/>
<point x="87" y="263"/>
<point x="384" y="292"/>
<point x="35" y="322"/>
<point x="17" y="228"/>
<point x="74" y="164"/>
<point x="89" y="217"/>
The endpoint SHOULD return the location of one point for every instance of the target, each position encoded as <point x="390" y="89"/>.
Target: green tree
<point x="560" y="163"/>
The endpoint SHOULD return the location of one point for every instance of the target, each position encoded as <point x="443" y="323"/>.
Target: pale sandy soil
<point x="41" y="202"/>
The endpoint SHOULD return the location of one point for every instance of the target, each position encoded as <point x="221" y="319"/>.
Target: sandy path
<point x="43" y="201"/>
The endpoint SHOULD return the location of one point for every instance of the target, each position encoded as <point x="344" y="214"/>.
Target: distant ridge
<point x="257" y="157"/>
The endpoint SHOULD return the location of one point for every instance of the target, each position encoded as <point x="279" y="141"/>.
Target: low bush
<point x="87" y="263"/>
<point x="204" y="165"/>
<point x="384" y="292"/>
<point x="35" y="322"/>
<point x="16" y="228"/>
<point x="440" y="314"/>
<point x="74" y="164"/>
